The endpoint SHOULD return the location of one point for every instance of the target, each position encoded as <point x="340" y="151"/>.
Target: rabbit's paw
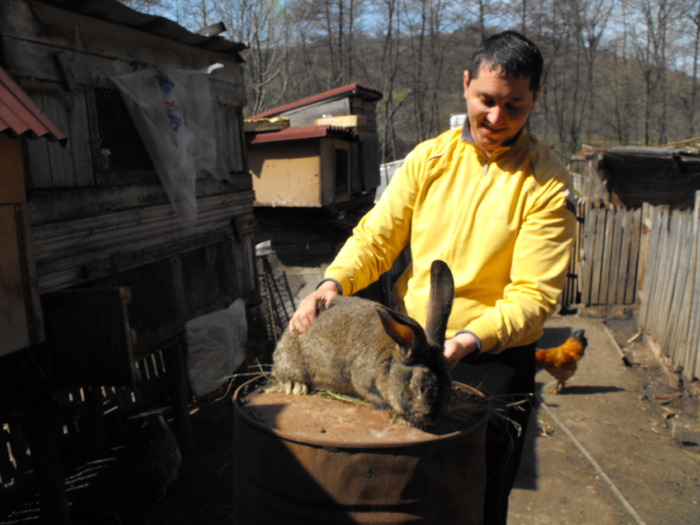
<point x="296" y="388"/>
<point x="397" y="419"/>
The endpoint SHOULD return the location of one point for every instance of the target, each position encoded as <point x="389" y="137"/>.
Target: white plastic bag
<point x="215" y="346"/>
<point x="173" y="112"/>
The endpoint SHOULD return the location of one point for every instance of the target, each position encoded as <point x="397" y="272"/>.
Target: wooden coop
<point x="315" y="169"/>
<point x="306" y="166"/>
<point x="329" y="154"/>
<point x="101" y="268"/>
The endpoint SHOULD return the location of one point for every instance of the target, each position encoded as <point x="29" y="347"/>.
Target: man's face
<point x="498" y="105"/>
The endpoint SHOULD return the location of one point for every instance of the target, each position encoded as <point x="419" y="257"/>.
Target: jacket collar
<point x="467" y="136"/>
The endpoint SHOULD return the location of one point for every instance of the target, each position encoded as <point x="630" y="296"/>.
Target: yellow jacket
<point x="501" y="223"/>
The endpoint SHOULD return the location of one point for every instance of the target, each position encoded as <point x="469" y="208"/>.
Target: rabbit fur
<point x="360" y="348"/>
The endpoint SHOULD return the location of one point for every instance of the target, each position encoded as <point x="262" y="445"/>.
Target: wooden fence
<point x="647" y="256"/>
<point x="608" y="254"/>
<point x="670" y="290"/>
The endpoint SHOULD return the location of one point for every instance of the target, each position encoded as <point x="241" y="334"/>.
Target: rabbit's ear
<point x="407" y="333"/>
<point x="442" y="291"/>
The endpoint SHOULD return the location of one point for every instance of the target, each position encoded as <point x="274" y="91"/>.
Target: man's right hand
<point x="307" y="310"/>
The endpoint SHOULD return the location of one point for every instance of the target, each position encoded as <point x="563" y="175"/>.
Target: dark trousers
<point x="508" y="381"/>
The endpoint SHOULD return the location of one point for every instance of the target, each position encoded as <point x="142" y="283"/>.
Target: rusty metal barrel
<point x="316" y="460"/>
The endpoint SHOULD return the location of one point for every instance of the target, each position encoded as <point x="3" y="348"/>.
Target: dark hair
<point x="515" y="54"/>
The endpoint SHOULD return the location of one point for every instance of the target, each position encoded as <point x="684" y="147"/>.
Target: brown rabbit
<point x="360" y="348"/>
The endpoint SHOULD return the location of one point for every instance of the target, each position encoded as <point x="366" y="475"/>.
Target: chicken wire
<point x="166" y="293"/>
<point x="119" y="155"/>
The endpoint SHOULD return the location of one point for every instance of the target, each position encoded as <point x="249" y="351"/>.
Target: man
<point x="492" y="202"/>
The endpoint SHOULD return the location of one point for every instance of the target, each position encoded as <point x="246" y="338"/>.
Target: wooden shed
<point x="328" y="156"/>
<point x="105" y="269"/>
<point x="631" y="176"/>
<point x="305" y="166"/>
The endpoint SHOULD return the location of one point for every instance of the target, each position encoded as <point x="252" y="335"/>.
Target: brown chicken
<point x="562" y="361"/>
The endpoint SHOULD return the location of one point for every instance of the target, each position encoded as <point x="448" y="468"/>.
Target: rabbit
<point x="360" y="348"/>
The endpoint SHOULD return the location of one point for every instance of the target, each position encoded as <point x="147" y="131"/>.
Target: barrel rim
<point x="364" y="445"/>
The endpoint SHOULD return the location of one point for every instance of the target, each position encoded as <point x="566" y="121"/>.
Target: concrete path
<point x="603" y="451"/>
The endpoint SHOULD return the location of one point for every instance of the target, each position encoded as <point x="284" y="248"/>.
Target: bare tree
<point x="652" y="21"/>
<point x="262" y="25"/>
<point x="425" y="27"/>
<point x="617" y="72"/>
<point x="575" y="31"/>
<point x="696" y="56"/>
<point x="328" y="40"/>
<point x="387" y="75"/>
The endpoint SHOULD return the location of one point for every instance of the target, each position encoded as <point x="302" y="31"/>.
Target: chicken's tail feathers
<point x="581" y="336"/>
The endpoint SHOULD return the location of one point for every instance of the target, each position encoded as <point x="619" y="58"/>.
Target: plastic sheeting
<point x="215" y="346"/>
<point x="173" y="111"/>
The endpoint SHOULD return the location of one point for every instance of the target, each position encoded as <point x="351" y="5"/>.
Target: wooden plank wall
<point x="670" y="304"/>
<point x="609" y="254"/>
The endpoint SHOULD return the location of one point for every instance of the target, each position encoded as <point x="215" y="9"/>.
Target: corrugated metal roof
<point x="354" y="89"/>
<point x="114" y="11"/>
<point x="19" y="115"/>
<point x="301" y="132"/>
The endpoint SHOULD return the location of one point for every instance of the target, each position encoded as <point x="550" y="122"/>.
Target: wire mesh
<point x="119" y="155"/>
<point x="166" y="293"/>
<point x="276" y="296"/>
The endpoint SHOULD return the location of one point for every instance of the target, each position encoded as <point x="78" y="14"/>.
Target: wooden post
<point x="48" y="473"/>
<point x="176" y="372"/>
<point x="95" y="415"/>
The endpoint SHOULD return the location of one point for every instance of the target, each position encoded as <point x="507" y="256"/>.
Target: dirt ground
<point x="621" y="444"/>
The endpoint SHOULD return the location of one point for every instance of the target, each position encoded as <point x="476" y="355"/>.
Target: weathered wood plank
<point x="593" y="250"/>
<point x="645" y="232"/>
<point x="652" y="262"/>
<point x="60" y="158"/>
<point x="55" y="165"/>
<point x="587" y="255"/>
<point x="604" y="235"/>
<point x="662" y="264"/>
<point x="634" y="258"/>
<point x="73" y="251"/>
<point x="623" y="226"/>
<point x="694" y="325"/>
<point x="678" y="279"/>
<point x="612" y="268"/>
<point x="670" y="296"/>
<point x="685" y="284"/>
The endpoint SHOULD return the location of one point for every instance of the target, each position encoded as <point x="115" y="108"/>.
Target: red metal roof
<point x="299" y="133"/>
<point x="355" y="89"/>
<point x="19" y="115"/>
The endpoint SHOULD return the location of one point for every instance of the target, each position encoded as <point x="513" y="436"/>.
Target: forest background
<point x="616" y="72"/>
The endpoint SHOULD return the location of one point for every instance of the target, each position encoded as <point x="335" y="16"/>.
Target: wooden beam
<point x="64" y="250"/>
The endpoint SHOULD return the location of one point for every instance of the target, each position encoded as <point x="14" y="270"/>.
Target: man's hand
<point x="307" y="310"/>
<point x="459" y="347"/>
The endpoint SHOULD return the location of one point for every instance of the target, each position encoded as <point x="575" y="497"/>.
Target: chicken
<point x="562" y="361"/>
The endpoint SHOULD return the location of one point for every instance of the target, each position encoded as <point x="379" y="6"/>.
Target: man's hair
<point x="515" y="54"/>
